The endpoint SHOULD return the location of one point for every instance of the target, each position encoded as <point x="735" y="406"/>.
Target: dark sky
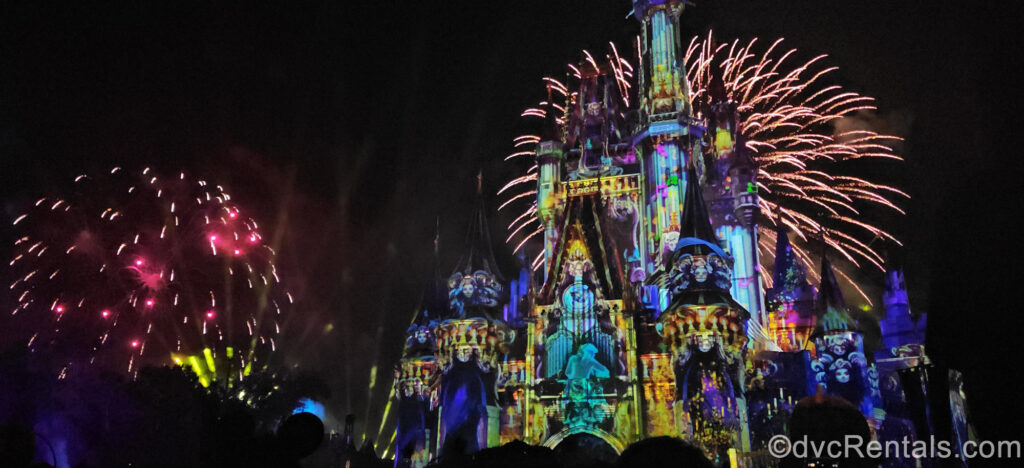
<point x="364" y="123"/>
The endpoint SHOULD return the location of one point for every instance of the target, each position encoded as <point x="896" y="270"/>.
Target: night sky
<point x="358" y="127"/>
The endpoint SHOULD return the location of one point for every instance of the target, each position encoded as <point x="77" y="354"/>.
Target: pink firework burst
<point x="130" y="268"/>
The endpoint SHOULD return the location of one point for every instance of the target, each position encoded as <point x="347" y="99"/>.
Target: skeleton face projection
<point x="593" y="109"/>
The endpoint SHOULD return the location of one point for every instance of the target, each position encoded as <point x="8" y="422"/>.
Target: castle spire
<point x="695" y="229"/>
<point x="829" y="294"/>
<point x="831" y="307"/>
<point x="729" y="175"/>
<point x="479" y="254"/>
<point x="900" y="326"/>
<point x="433" y="301"/>
<point x="475" y="287"/>
<point x="790" y="301"/>
<point x="787" y="274"/>
<point x="699" y="269"/>
<point x="667" y="138"/>
<point x="432" y="304"/>
<point x="707" y="331"/>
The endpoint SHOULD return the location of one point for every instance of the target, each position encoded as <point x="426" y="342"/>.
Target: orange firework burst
<point x="787" y="115"/>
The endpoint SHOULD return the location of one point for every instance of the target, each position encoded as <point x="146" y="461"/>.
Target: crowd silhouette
<point x="164" y="418"/>
<point x="233" y="441"/>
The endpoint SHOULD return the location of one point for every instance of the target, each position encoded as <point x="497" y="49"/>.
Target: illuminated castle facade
<point x="649" y="317"/>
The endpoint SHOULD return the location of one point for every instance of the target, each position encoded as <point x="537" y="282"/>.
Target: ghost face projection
<point x="705" y="342"/>
<point x="838" y="347"/>
<point x="843" y="368"/>
<point x="467" y="287"/>
<point x="720" y="271"/>
<point x="839" y="344"/>
<point x="418" y="337"/>
<point x="477" y="289"/>
<point x="408" y="389"/>
<point x="705" y="271"/>
<point x="842" y="371"/>
<point x="700" y="269"/>
<point x="668" y="242"/>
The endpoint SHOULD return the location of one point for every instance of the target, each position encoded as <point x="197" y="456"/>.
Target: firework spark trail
<point x="128" y="268"/>
<point x="786" y="114"/>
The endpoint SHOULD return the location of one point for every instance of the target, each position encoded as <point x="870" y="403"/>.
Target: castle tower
<point x="550" y="159"/>
<point x="839" y="361"/>
<point x="705" y="329"/>
<point x="417" y="377"/>
<point x="471" y="342"/>
<point x="900" y="326"/>
<point x="790" y="300"/>
<point x="416" y="383"/>
<point x="730" y="188"/>
<point x="667" y="136"/>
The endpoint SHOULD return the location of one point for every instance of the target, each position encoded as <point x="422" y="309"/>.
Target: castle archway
<point x="585" y="445"/>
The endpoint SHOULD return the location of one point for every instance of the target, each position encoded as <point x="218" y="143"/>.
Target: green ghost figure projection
<point x="583" y="364"/>
<point x="583" y="396"/>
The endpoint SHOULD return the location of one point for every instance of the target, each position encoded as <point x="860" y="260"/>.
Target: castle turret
<point x="900" y="327"/>
<point x="840" y="363"/>
<point x="790" y="300"/>
<point x="706" y="330"/>
<point x="471" y="341"/>
<point x="417" y="377"/>
<point x="730" y="188"/>
<point x="667" y="136"/>
<point x="550" y="159"/>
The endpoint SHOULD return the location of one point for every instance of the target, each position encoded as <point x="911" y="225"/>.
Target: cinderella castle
<point x="648" y="315"/>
